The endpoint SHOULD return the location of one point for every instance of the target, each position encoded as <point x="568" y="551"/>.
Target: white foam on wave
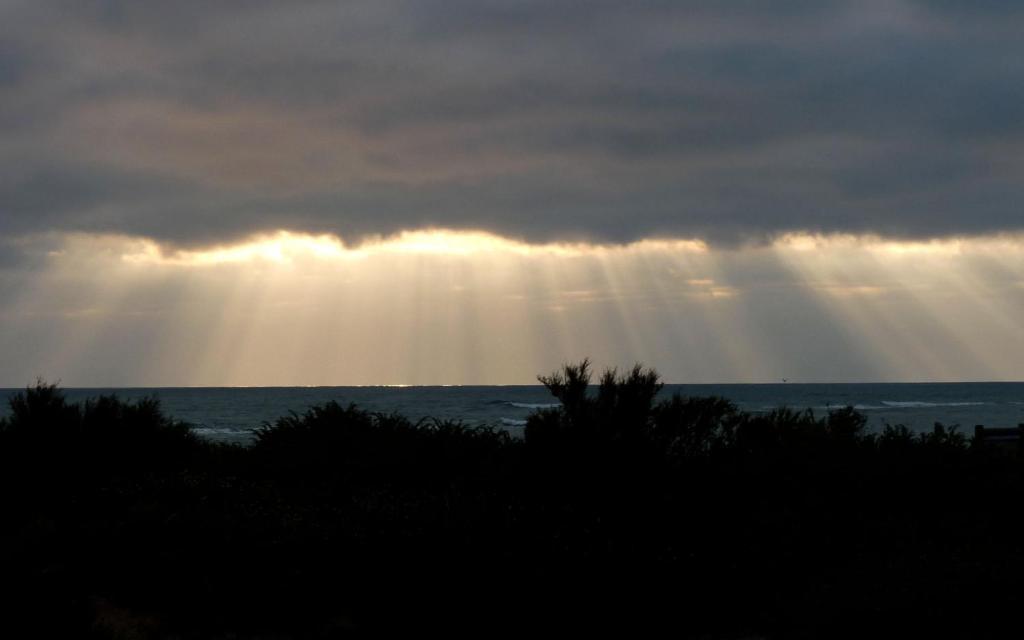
<point x="856" y="407"/>
<point x="509" y="422"/>
<point x="887" y="405"/>
<point x="913" y="404"/>
<point x="224" y="433"/>
<point x="527" y="405"/>
<point x="221" y="431"/>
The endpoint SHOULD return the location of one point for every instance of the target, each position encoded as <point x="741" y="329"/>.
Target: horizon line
<point x="594" y="383"/>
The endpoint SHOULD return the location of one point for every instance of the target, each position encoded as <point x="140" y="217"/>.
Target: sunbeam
<point x="447" y="307"/>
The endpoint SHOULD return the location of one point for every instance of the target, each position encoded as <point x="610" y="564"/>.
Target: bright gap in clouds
<point x="446" y="307"/>
<point x="287" y="247"/>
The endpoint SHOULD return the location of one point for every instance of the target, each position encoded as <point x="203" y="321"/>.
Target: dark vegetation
<point x="616" y="511"/>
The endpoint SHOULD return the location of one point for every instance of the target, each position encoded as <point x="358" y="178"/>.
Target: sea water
<point x="231" y="414"/>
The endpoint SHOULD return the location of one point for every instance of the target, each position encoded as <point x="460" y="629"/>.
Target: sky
<point x="474" y="191"/>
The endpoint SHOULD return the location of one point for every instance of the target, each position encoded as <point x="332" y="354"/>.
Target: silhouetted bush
<point x="48" y="437"/>
<point x="619" y="509"/>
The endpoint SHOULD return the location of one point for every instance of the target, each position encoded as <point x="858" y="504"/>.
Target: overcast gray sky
<point x="195" y="122"/>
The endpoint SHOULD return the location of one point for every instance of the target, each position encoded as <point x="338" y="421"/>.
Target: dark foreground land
<point x="616" y="512"/>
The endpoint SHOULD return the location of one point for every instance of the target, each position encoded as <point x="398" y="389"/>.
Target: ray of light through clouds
<point x="455" y="308"/>
<point x="475" y="191"/>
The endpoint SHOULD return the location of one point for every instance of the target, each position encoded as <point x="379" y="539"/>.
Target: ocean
<point x="230" y="414"/>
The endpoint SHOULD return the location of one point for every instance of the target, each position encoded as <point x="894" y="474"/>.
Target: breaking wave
<point x="913" y="404"/>
<point x="527" y="405"/>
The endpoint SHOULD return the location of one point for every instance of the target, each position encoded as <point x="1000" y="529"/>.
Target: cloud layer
<point x="201" y="122"/>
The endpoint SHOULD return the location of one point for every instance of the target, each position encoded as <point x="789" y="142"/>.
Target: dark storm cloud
<point x="12" y="65"/>
<point x="196" y="122"/>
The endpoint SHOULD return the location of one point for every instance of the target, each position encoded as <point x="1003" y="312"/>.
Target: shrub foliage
<point x="618" y="507"/>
